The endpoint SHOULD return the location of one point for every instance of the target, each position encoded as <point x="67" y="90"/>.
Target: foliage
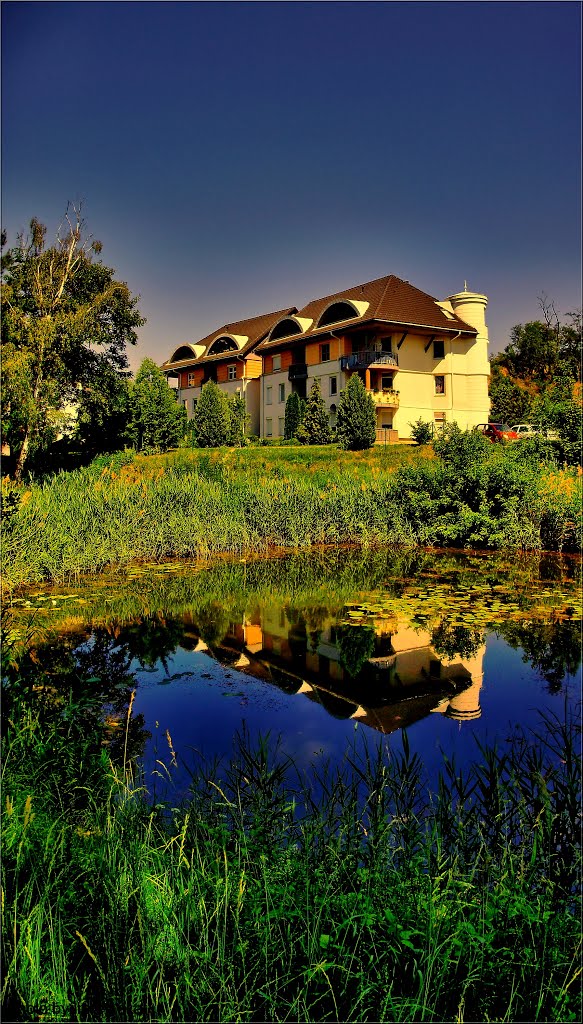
<point x="315" y="425"/>
<point x="293" y="416"/>
<point x="156" y="419"/>
<point x="356" y="421"/>
<point x="212" y="421"/>
<point x="65" y="317"/>
<point x="238" y="421"/>
<point x="259" y="900"/>
<point x="510" y="402"/>
<point x="356" y="645"/>
<point x="421" y="431"/>
<point x="103" y="413"/>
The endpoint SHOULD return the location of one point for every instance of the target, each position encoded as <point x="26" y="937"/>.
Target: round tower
<point x="471" y="307"/>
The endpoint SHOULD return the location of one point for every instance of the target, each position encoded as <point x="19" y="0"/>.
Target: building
<point x="227" y="357"/>
<point x="419" y="358"/>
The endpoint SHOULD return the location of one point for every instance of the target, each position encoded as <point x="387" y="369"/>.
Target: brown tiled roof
<point x="390" y="299"/>
<point x="254" y="328"/>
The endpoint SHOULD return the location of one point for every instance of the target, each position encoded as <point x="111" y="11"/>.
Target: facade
<point x="228" y="358"/>
<point x="417" y="356"/>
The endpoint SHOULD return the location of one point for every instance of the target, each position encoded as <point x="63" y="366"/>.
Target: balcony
<point x="297" y="371"/>
<point x="362" y="360"/>
<point x="388" y="397"/>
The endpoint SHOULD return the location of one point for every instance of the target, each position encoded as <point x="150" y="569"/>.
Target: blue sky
<point x="237" y="158"/>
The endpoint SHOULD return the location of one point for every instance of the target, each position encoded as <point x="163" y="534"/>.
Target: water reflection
<point x="311" y="646"/>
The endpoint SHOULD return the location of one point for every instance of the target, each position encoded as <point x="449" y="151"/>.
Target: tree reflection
<point x="356" y="645"/>
<point x="552" y="648"/>
<point x="449" y="639"/>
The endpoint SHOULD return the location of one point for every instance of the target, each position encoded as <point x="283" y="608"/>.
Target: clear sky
<point x="238" y="158"/>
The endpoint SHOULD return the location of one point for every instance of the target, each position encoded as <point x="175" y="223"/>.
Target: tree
<point x="315" y="427"/>
<point x="293" y="416"/>
<point x="510" y="401"/>
<point x="238" y="421"/>
<point x="103" y="413"/>
<point x="156" y="419"/>
<point x="62" y="312"/>
<point x="211" y="417"/>
<point x="356" y="423"/>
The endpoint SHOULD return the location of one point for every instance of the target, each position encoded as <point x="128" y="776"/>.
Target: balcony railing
<point x="297" y="371"/>
<point x="362" y="360"/>
<point x="386" y="397"/>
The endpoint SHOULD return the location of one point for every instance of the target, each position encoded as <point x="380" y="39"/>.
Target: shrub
<point x="293" y="416"/>
<point x="356" y="422"/>
<point x="421" y="431"/>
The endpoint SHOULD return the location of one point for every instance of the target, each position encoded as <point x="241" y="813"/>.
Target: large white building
<point x="419" y="357"/>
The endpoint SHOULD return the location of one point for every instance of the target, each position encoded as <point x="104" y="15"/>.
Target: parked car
<point x="497" y="432"/>
<point x="535" y="430"/>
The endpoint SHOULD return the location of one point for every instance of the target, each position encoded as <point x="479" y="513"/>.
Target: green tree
<point x="103" y="412"/>
<point x="62" y="312"/>
<point x="156" y="419"/>
<point x="293" y="416"/>
<point x="212" y="420"/>
<point x="510" y="402"/>
<point x="315" y="427"/>
<point x="356" y="423"/>
<point x="238" y="421"/>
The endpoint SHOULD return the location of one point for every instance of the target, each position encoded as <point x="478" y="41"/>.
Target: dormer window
<point x="337" y="312"/>
<point x="222" y="344"/>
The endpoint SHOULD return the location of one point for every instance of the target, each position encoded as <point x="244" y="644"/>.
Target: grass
<point x="348" y="896"/>
<point x="197" y="503"/>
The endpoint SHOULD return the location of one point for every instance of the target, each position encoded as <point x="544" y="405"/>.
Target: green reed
<point x="347" y="895"/>
<point x="198" y="504"/>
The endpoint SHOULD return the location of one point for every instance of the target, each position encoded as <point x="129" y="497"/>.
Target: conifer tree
<point x="293" y="416"/>
<point x="356" y="422"/>
<point x="238" y="421"/>
<point x="315" y="427"/>
<point x="212" y="419"/>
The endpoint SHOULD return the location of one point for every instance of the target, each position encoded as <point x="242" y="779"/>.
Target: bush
<point x="421" y="431"/>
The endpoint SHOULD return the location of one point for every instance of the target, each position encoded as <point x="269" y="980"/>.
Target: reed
<point x="256" y="500"/>
<point x="347" y="895"/>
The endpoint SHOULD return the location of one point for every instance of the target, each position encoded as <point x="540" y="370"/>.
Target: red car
<point x="497" y="432"/>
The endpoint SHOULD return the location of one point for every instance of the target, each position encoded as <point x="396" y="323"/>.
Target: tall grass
<point x="350" y="895"/>
<point x="194" y="505"/>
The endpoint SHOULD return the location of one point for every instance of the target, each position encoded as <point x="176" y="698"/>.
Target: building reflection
<point x="384" y="673"/>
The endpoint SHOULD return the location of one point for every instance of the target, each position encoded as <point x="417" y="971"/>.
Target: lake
<point x="325" y="650"/>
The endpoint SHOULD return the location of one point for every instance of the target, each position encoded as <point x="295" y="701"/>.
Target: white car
<point x="535" y="430"/>
<point x="526" y="430"/>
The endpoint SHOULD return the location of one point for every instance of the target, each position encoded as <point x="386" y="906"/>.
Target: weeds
<point x="350" y="895"/>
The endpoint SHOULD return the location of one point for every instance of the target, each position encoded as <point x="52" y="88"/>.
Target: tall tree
<point x="62" y="312"/>
<point x="315" y="427"/>
<point x="238" y="421"/>
<point x="212" y="420"/>
<point x="156" y="419"/>
<point x="293" y="416"/>
<point x="356" y="422"/>
<point x="510" y="401"/>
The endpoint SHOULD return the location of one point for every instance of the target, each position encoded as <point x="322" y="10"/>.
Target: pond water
<point x="323" y="650"/>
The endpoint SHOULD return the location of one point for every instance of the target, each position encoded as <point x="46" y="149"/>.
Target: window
<point x="282" y="392"/>
<point x="439" y="384"/>
<point x="387" y="345"/>
<point x="232" y="371"/>
<point x="276" y="363"/>
<point x="191" y="380"/>
<point x="280" y="425"/>
<point x="269" y="396"/>
<point x="438" y="349"/>
<point x="325" y="353"/>
<point x="269" y="427"/>
<point x="333" y="386"/>
<point x="386" y="382"/>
